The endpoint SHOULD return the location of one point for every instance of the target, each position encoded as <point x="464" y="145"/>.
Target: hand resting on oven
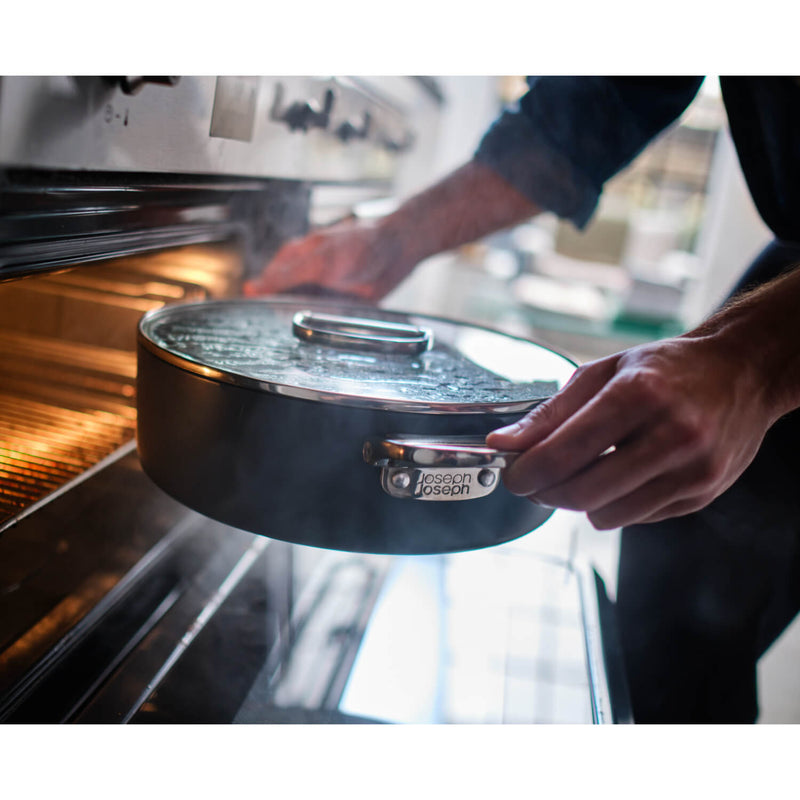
<point x="368" y="258"/>
<point x="355" y="257"/>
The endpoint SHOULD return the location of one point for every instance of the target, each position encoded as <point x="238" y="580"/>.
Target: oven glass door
<point x="120" y="605"/>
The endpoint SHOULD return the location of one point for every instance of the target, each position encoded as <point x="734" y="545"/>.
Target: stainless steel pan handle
<point x="439" y="468"/>
<point x="356" y="333"/>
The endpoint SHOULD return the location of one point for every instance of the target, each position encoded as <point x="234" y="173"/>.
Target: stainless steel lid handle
<point x="439" y="468"/>
<point x="356" y="333"/>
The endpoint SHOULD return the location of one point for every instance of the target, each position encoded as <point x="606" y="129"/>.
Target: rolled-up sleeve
<point x="568" y="135"/>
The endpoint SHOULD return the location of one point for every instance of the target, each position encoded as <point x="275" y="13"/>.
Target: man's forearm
<point x="469" y="203"/>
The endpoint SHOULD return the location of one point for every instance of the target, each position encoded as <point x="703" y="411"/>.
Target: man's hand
<point x="368" y="259"/>
<point x="654" y="432"/>
<point x="359" y="258"/>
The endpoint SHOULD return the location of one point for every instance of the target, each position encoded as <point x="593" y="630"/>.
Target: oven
<point x="118" y="196"/>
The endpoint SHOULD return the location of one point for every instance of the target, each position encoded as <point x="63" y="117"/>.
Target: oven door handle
<point x="436" y="468"/>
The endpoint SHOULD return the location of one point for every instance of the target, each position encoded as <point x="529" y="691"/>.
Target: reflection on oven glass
<point x="492" y="636"/>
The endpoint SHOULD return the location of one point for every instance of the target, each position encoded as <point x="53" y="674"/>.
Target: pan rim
<point x="222" y="376"/>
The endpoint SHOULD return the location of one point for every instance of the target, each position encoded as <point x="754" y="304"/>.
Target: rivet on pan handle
<point x="356" y="333"/>
<point x="441" y="468"/>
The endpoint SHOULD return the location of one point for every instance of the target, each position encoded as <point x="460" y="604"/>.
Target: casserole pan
<point x="337" y="425"/>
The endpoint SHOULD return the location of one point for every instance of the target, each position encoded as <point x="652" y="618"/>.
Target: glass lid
<point x="356" y="355"/>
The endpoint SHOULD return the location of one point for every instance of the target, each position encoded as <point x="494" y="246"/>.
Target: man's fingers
<point x="634" y="462"/>
<point x="611" y="476"/>
<point x="666" y="496"/>
<point x="547" y="416"/>
<point x="299" y="261"/>
<point x="678" y="508"/>
<point x="610" y="418"/>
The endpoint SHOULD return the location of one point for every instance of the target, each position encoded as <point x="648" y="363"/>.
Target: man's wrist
<point x="760" y="330"/>
<point x="468" y="204"/>
<point x="404" y="237"/>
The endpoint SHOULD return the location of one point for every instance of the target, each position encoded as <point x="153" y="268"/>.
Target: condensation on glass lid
<point x="253" y="340"/>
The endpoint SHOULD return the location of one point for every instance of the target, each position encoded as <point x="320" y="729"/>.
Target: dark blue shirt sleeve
<point x="568" y="135"/>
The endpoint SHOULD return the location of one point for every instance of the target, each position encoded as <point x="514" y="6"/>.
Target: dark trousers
<point x="700" y="598"/>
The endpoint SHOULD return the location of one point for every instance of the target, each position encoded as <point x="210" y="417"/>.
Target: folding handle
<point x="438" y="468"/>
<point x="356" y="333"/>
